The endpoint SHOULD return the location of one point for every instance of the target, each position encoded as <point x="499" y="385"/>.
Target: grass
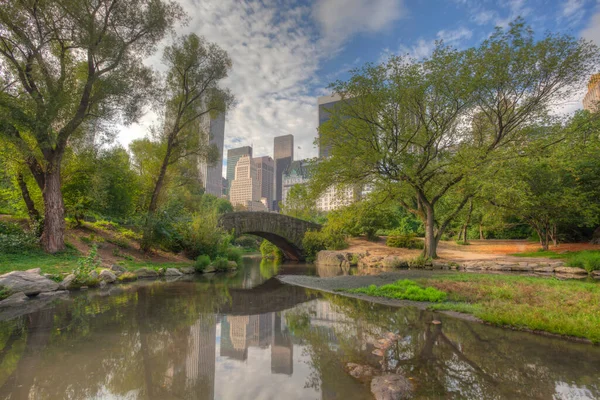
<point x="586" y="259"/>
<point x="530" y="303"/>
<point x="49" y="263"/>
<point x="404" y="290"/>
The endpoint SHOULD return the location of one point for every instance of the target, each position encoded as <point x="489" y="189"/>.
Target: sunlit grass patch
<point x="404" y="290"/>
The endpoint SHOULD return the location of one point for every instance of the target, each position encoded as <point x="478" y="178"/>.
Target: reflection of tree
<point x="268" y="268"/>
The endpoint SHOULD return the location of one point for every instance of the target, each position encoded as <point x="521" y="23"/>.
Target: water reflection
<point x="245" y="335"/>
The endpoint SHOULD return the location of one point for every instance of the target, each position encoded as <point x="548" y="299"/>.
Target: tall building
<point x="326" y="105"/>
<point x="265" y="172"/>
<point x="244" y="190"/>
<point x="233" y="155"/>
<point x="592" y="97"/>
<point x="283" y="153"/>
<point x="211" y="175"/>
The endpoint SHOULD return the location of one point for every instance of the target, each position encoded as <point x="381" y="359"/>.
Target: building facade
<point x="244" y="190"/>
<point x="265" y="172"/>
<point x="592" y="97"/>
<point x="326" y="105"/>
<point x="233" y="155"/>
<point x="211" y="175"/>
<point x="283" y="154"/>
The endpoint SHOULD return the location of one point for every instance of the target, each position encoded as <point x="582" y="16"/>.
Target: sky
<point x="285" y="53"/>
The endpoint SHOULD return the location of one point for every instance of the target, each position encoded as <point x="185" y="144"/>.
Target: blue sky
<point x="286" y="52"/>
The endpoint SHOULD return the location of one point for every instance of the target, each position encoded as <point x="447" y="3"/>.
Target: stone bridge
<point x="283" y="231"/>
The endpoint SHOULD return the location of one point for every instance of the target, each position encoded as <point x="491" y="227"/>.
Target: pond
<point x="245" y="335"/>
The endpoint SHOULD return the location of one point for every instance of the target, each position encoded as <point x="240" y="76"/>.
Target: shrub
<point x="247" y="242"/>
<point x="17" y="243"/>
<point x="221" y="264"/>
<point x="85" y="265"/>
<point x="403" y="289"/>
<point x="202" y="261"/>
<point x="588" y="260"/>
<point x="269" y="251"/>
<point x="404" y="241"/>
<point x="234" y="254"/>
<point x="9" y="228"/>
<point x="419" y="262"/>
<point x="315" y="241"/>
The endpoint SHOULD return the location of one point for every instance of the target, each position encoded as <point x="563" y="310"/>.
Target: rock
<point x="146" y="273"/>
<point x="500" y="267"/>
<point x="208" y="270"/>
<point x="102" y="284"/>
<point x="570" y="270"/>
<point x="94" y="275"/>
<point x="393" y="262"/>
<point x="545" y="269"/>
<point x="29" y="283"/>
<point x="391" y="336"/>
<point x="436" y="264"/>
<point x="231" y="265"/>
<point x="37" y="271"/>
<point x="383" y="344"/>
<point x="118" y="268"/>
<point x="173" y="272"/>
<point x="14" y="299"/>
<point x="596" y="274"/>
<point x="187" y="270"/>
<point x="360" y="372"/>
<point x="67" y="283"/>
<point x="107" y="276"/>
<point x="523" y="268"/>
<point x="391" y="387"/>
<point x="330" y="257"/>
<point x="378" y="352"/>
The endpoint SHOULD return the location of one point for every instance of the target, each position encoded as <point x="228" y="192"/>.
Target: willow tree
<point x="424" y="131"/>
<point x="192" y="96"/>
<point x="66" y="64"/>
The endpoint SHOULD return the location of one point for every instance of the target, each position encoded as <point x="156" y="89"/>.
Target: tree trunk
<point x="467" y="222"/>
<point x="554" y="234"/>
<point x="460" y="234"/>
<point x="53" y="236"/>
<point x="34" y="215"/>
<point x="431" y="241"/>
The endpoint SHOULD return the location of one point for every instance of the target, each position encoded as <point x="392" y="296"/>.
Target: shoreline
<point x="334" y="285"/>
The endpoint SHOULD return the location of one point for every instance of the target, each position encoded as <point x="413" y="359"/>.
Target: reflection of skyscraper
<point x="200" y="361"/>
<point x="283" y="153"/>
<point x="282" y="349"/>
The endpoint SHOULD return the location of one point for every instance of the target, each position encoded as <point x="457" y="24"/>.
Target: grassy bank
<point x="562" y="307"/>
<point x="586" y="259"/>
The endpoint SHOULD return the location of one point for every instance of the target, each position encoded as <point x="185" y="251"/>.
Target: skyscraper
<point x="283" y="153"/>
<point x="245" y="190"/>
<point x="326" y="105"/>
<point x="265" y="172"/>
<point x="211" y="176"/>
<point x="233" y="155"/>
<point x="592" y="97"/>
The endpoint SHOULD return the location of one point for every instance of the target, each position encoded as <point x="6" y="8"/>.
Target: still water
<point x="246" y="336"/>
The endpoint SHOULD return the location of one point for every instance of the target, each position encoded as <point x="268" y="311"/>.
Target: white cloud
<point x="573" y="10"/>
<point x="423" y="48"/>
<point x="592" y="30"/>
<point x="516" y="8"/>
<point x="484" y="16"/>
<point x="340" y="19"/>
<point x="456" y="35"/>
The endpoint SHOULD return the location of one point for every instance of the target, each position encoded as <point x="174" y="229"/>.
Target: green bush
<point x="9" y="228"/>
<point x="85" y="265"/>
<point x="221" y="264"/>
<point x="269" y="251"/>
<point x="588" y="260"/>
<point x="405" y="290"/>
<point x="419" y="262"/>
<point x="234" y="254"/>
<point x="202" y="261"/>
<point x="248" y="242"/>
<point x="315" y="241"/>
<point x="404" y="241"/>
<point x="17" y="243"/>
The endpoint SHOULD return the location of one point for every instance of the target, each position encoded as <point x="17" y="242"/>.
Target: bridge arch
<point x="283" y="231"/>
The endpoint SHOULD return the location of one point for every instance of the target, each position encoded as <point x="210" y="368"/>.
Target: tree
<point x="422" y="132"/>
<point x="299" y="203"/>
<point x="68" y="64"/>
<point x="195" y="68"/>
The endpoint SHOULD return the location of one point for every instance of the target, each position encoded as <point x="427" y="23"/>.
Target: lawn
<point x="49" y="263"/>
<point x="586" y="259"/>
<point x="569" y="308"/>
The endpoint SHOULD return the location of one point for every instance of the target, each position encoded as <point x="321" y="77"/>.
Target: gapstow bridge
<point x="283" y="231"/>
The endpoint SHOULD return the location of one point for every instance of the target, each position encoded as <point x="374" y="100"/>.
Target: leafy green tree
<point x="299" y="203"/>
<point x="68" y="64"/>
<point x="423" y="131"/>
<point x="191" y="92"/>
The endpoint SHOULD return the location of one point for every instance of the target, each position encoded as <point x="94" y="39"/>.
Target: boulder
<point x="393" y="262"/>
<point x="37" y="271"/>
<point x="107" y="276"/>
<point x="543" y="268"/>
<point x="570" y="270"/>
<point x="596" y="274"/>
<point x="391" y="387"/>
<point x="187" y="270"/>
<point x="173" y="272"/>
<point x="94" y="274"/>
<point x="360" y="372"/>
<point x="14" y="299"/>
<point x="210" y="269"/>
<point x="231" y="265"/>
<point x="67" y="283"/>
<point x="29" y="283"/>
<point x="118" y="268"/>
<point x="330" y="257"/>
<point x="146" y="273"/>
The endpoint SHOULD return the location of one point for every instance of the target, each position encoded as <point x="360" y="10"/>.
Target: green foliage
<point x="588" y="260"/>
<point x="361" y="218"/>
<point x="248" y="242"/>
<point x="403" y="290"/>
<point x="221" y="264"/>
<point x="420" y="261"/>
<point x="269" y="251"/>
<point x="13" y="239"/>
<point x="202" y="261"/>
<point x="404" y="241"/>
<point x="315" y="241"/>
<point x="234" y="254"/>
<point x="85" y="265"/>
<point x="127" y="277"/>
<point x="4" y="292"/>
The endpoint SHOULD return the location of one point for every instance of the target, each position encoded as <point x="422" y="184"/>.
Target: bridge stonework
<point x="283" y="231"/>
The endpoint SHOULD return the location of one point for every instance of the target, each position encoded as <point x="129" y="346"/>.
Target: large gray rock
<point x="67" y="283"/>
<point x="360" y="372"/>
<point x="27" y="282"/>
<point x="187" y="270"/>
<point x="394" y="262"/>
<point x="107" y="276"/>
<point x="330" y="257"/>
<point x="210" y="269"/>
<point x="35" y="271"/>
<point x="391" y="387"/>
<point x="117" y="268"/>
<point x="570" y="270"/>
<point x="94" y="274"/>
<point x="146" y="273"/>
<point x="173" y="272"/>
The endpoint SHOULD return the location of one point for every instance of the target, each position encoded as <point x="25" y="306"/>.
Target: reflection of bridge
<point x="283" y="231"/>
<point x="271" y="296"/>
